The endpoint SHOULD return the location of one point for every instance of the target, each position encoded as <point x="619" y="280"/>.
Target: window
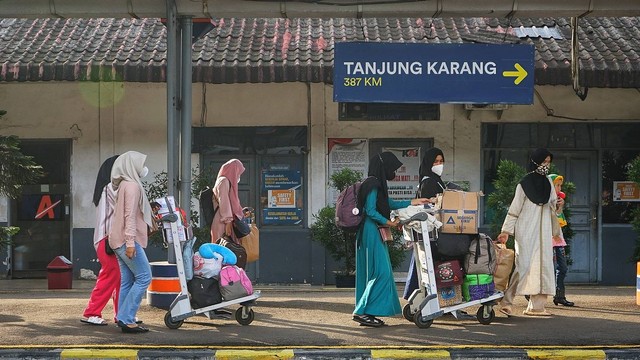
<point x="385" y="112"/>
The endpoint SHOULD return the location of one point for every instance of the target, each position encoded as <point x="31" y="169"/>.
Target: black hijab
<point x="382" y="167"/>
<point x="434" y="185"/>
<point x="537" y="187"/>
<point x="103" y="178"/>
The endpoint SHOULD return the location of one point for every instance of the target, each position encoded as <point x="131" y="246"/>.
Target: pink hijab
<point x="232" y="170"/>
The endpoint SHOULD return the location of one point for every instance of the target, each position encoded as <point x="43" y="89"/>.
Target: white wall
<point x="108" y="118"/>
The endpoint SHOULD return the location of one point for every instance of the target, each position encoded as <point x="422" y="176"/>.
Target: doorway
<point x="576" y="167"/>
<point x="42" y="211"/>
<point x="273" y="184"/>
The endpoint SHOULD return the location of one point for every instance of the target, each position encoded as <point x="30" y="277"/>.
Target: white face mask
<point x="437" y="169"/>
<point x="145" y="172"/>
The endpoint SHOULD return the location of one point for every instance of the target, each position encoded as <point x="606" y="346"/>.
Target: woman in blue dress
<point x="376" y="293"/>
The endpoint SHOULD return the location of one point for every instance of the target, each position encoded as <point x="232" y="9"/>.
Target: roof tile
<point x="279" y="50"/>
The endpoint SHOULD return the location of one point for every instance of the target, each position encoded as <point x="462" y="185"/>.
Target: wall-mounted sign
<point x="433" y="73"/>
<point x="283" y="205"/>
<point x="404" y="185"/>
<point x="346" y="153"/>
<point x="626" y="191"/>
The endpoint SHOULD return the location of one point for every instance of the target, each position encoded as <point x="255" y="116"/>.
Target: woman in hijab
<point x="532" y="220"/>
<point x="108" y="282"/>
<point x="376" y="293"/>
<point x="430" y="185"/>
<point x="128" y="237"/>
<point x="225" y="198"/>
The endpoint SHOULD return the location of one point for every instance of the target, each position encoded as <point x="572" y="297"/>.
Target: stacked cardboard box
<point x="458" y="211"/>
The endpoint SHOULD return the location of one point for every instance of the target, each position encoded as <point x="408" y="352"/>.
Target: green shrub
<point x="339" y="244"/>
<point x="633" y="173"/>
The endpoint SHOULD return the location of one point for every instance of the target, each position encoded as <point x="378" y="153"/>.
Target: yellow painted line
<point x="410" y="354"/>
<point x="566" y="354"/>
<point x="254" y="354"/>
<point x="99" y="354"/>
<point x="329" y="347"/>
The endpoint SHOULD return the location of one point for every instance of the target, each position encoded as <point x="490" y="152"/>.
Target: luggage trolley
<point x="423" y="306"/>
<point x="181" y="308"/>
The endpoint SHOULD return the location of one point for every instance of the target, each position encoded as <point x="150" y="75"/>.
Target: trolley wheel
<point x="485" y="319"/>
<point x="244" y="319"/>
<point x="170" y="323"/>
<point x="422" y="324"/>
<point x="407" y="313"/>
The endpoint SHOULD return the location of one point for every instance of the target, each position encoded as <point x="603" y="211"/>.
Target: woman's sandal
<point x="94" y="320"/>
<point x="368" y="320"/>
<point x="506" y="311"/>
<point x="536" y="313"/>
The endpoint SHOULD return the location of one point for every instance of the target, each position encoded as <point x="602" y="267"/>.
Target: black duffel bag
<point x="204" y="292"/>
<point x="454" y="245"/>
<point x="241" y="252"/>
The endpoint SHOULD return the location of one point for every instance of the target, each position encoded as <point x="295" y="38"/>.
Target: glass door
<point x="42" y="211"/>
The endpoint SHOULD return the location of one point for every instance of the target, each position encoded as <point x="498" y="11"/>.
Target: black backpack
<point x="208" y="211"/>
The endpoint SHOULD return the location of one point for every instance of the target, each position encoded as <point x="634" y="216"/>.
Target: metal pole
<point x="176" y="124"/>
<point x="185" y="138"/>
<point x="171" y="95"/>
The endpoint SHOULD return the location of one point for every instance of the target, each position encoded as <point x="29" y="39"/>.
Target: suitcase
<point x="237" y="249"/>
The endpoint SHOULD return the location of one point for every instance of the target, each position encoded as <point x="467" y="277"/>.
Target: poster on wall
<point x="404" y="185"/>
<point x="284" y="203"/>
<point x="626" y="191"/>
<point x="346" y="153"/>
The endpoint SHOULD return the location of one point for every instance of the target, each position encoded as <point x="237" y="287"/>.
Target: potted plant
<point x="340" y="244"/>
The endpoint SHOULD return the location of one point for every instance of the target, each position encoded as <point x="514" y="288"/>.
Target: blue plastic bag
<point x="187" y="258"/>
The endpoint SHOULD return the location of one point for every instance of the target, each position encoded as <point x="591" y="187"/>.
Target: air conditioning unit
<point x="493" y="107"/>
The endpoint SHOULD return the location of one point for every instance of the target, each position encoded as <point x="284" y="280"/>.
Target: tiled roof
<point x="284" y="50"/>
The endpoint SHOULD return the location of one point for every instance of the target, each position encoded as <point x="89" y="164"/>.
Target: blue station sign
<point x="433" y="73"/>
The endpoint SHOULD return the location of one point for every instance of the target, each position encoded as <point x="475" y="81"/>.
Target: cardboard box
<point x="458" y="211"/>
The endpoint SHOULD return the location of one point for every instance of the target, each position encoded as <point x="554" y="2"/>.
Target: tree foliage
<point x="508" y="176"/>
<point x="633" y="174"/>
<point x="16" y="169"/>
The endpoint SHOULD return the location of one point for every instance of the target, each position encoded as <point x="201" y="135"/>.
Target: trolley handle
<point x="421" y="216"/>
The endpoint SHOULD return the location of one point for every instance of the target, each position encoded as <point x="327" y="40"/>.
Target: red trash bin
<point x="60" y="273"/>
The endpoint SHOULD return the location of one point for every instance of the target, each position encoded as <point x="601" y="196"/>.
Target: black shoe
<point x="463" y="315"/>
<point x="222" y="312"/>
<point x="562" y="301"/>
<point x="130" y="330"/>
<point x="368" y="320"/>
<point x="136" y="329"/>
